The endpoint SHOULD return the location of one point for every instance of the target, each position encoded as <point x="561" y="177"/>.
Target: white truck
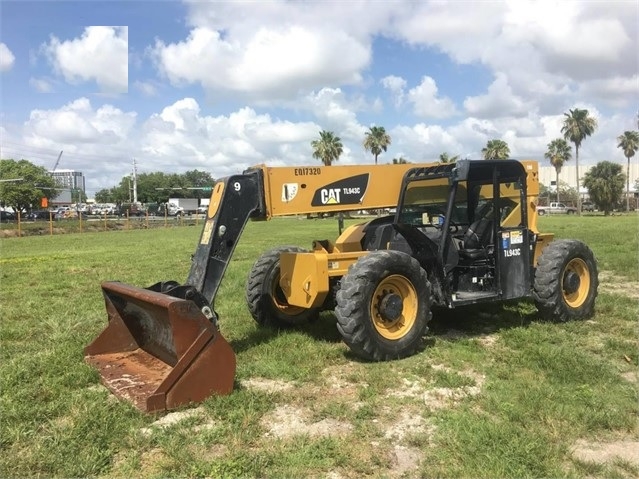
<point x="556" y="208"/>
<point x="182" y="206"/>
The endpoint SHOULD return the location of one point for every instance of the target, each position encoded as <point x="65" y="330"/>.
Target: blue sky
<point x="219" y="86"/>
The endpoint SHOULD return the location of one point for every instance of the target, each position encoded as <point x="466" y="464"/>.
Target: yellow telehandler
<point x="460" y="234"/>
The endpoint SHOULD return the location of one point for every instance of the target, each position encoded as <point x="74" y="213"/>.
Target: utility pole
<point x="135" y="182"/>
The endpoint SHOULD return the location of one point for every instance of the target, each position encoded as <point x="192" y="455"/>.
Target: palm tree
<point x="578" y="124"/>
<point x="629" y="143"/>
<point x="496" y="150"/>
<point x="445" y="158"/>
<point x="377" y="140"/>
<point x="328" y="148"/>
<point x="559" y="152"/>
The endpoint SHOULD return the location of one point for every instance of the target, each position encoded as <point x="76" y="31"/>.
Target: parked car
<point x="103" y="209"/>
<point x="556" y="208"/>
<point x="7" y="216"/>
<point x="587" y="206"/>
<point x="131" y="209"/>
<point x="41" y="215"/>
<point x="69" y="214"/>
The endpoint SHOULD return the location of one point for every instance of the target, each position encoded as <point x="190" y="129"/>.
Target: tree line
<point x="158" y="187"/>
<point x="26" y="187"/>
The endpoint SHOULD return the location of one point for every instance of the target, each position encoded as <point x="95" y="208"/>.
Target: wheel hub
<point x="391" y="307"/>
<point x="571" y="282"/>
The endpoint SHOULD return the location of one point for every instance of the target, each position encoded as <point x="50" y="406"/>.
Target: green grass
<point x="521" y="391"/>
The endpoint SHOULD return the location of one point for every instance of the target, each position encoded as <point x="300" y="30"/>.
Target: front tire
<point x="383" y="306"/>
<point x="265" y="297"/>
<point x="566" y="281"/>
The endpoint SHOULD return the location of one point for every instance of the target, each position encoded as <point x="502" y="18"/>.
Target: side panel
<point x="316" y="189"/>
<point x="304" y="277"/>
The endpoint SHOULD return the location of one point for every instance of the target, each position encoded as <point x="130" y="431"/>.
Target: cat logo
<point x="330" y="196"/>
<point x="289" y="191"/>
<point x="347" y="191"/>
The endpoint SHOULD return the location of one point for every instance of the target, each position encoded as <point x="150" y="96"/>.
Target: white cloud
<point x="568" y="36"/>
<point x="611" y="91"/>
<point x="100" y="55"/>
<point x="335" y="113"/>
<point x="275" y="52"/>
<point x="427" y="103"/>
<point x="41" y="85"/>
<point x="395" y="85"/>
<point x="6" y="58"/>
<point x="499" y="101"/>
<point x="223" y="144"/>
<point x="550" y="52"/>
<point x="147" y="88"/>
<point x="272" y="63"/>
<point x="77" y="123"/>
<point x="423" y="143"/>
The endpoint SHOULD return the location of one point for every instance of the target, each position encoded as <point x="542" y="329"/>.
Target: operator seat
<point x="477" y="240"/>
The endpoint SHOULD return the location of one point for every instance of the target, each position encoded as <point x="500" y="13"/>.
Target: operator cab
<point x="466" y="225"/>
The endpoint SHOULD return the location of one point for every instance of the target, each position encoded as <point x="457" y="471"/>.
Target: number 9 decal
<point x="237" y="186"/>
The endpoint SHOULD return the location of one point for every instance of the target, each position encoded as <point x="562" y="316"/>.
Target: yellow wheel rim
<point x="576" y="282"/>
<point x="397" y="325"/>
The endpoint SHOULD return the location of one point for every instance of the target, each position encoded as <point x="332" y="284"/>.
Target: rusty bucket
<point x="158" y="351"/>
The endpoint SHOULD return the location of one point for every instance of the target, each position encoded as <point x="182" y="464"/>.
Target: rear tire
<point x="566" y="281"/>
<point x="383" y="306"/>
<point x="265" y="298"/>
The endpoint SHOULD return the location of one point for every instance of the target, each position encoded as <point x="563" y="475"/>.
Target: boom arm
<point x="234" y="200"/>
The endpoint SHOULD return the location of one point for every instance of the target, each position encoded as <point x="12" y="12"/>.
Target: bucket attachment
<point x="159" y="351"/>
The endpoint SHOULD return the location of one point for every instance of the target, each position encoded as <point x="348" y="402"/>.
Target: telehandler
<point x="461" y="234"/>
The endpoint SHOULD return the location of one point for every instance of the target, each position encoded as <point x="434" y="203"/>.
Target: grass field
<point x="498" y="392"/>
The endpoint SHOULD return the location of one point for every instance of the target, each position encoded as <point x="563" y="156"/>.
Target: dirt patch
<point x="440" y="398"/>
<point x="405" y="460"/>
<point x="174" y="418"/>
<point x="288" y="421"/>
<point x="603" y="452"/>
<point x="611" y="283"/>
<point x="488" y="340"/>
<point x="266" y="385"/>
<point x="337" y="379"/>
<point x="407" y="424"/>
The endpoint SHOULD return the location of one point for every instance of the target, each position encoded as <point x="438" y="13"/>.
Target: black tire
<point x="566" y="281"/>
<point x="265" y="298"/>
<point x="391" y="280"/>
<point x="541" y="212"/>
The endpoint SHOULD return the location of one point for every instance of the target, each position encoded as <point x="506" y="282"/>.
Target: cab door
<point x="513" y="252"/>
<point x="513" y="242"/>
